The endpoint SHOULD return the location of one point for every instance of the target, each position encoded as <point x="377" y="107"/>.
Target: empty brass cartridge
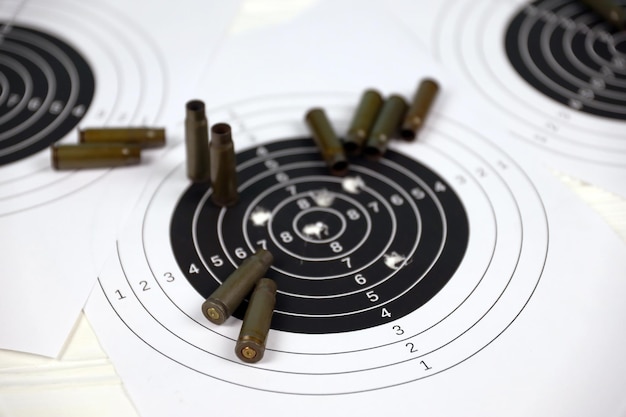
<point x="386" y="126"/>
<point x="197" y="142"/>
<point x="223" y="166"/>
<point x="422" y="102"/>
<point x="227" y="297"/>
<point x="610" y="10"/>
<point x="250" y="345"/>
<point x="95" y="155"/>
<point x="144" y="137"/>
<point x="327" y="141"/>
<point x="362" y="122"/>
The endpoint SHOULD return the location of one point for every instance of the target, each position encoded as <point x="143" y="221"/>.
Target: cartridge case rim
<point x="339" y="168"/>
<point x="219" y="306"/>
<point x="222" y="133"/>
<point x="195" y="109"/>
<point x="251" y="344"/>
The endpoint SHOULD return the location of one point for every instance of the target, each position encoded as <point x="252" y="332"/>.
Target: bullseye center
<point x="319" y="225"/>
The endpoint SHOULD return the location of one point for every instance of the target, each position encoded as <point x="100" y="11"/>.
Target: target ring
<point x="350" y="253"/>
<point x="46" y="87"/>
<point x="571" y="55"/>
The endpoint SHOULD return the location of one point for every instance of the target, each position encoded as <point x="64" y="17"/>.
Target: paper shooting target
<point x="552" y="71"/>
<point x="63" y="66"/>
<point x="400" y="270"/>
<point x="571" y="55"/>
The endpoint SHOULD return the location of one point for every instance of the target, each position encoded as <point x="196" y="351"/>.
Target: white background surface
<point x="82" y="381"/>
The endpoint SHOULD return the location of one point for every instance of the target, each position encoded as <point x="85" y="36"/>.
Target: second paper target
<point x="404" y="268"/>
<point x="67" y="66"/>
<point x="553" y="69"/>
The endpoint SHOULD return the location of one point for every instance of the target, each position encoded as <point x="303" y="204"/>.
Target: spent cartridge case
<point x="197" y="142"/>
<point x="420" y="106"/>
<point x="386" y="126"/>
<point x="223" y="166"/>
<point x="94" y="155"/>
<point x="327" y="141"/>
<point x="256" y="324"/>
<point x="362" y="122"/>
<point x="145" y="137"/>
<point x="227" y="297"/>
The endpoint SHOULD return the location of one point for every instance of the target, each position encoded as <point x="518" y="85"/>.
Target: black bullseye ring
<point x="571" y="55"/>
<point x="350" y="252"/>
<point x="46" y="87"/>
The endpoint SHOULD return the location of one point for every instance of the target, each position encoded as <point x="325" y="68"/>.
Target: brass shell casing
<point x="197" y="142"/>
<point x="362" y="122"/>
<point x="227" y="297"/>
<point x="256" y="324"/>
<point x="223" y="166"/>
<point x="144" y="137"/>
<point x="386" y="126"/>
<point x="327" y="141"/>
<point x="94" y="155"/>
<point x="420" y="106"/>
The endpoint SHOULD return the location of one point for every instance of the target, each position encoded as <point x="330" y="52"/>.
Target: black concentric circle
<point x="46" y="87"/>
<point x="570" y="54"/>
<point x="350" y="253"/>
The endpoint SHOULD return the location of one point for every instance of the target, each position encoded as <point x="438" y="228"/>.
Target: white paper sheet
<point x="586" y="70"/>
<point x="529" y="324"/>
<point x="142" y="78"/>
